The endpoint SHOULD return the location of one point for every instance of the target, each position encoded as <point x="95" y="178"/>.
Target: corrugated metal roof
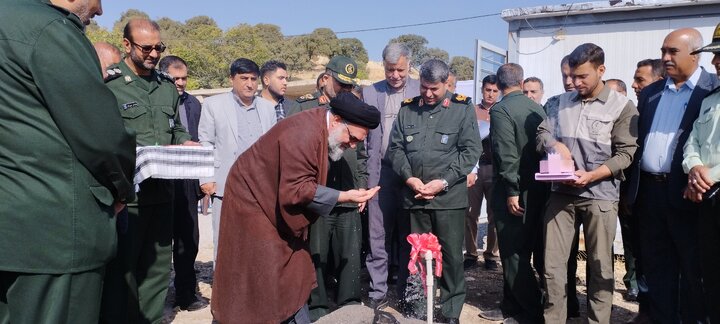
<point x="596" y="7"/>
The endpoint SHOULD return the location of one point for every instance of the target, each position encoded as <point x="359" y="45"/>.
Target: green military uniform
<point x="515" y="120"/>
<point x="65" y="158"/>
<point x="137" y="279"/>
<point x="433" y="142"/>
<point x="342" y="229"/>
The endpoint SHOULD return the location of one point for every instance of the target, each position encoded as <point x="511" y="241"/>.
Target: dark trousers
<point x="628" y="238"/>
<point x="388" y="226"/>
<point x="670" y="256"/>
<point x="517" y="238"/>
<point x="710" y="256"/>
<point x="50" y="298"/>
<point x="449" y="227"/>
<point x="137" y="279"/>
<point x="339" y="233"/>
<point x="186" y="239"/>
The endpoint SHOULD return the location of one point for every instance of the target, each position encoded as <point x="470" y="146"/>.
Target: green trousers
<point x="339" y="234"/>
<point x="449" y="227"/>
<point x="517" y="239"/>
<point x="137" y="279"/>
<point x="44" y="298"/>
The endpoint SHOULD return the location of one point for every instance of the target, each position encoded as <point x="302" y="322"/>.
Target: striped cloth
<point x="173" y="162"/>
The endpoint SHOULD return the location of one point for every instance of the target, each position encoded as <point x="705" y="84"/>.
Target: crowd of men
<point x="308" y="191"/>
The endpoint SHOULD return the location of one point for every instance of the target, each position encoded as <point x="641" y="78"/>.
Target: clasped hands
<point x="426" y="191"/>
<point x="698" y="183"/>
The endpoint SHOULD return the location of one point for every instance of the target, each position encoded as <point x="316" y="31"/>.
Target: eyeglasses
<point x="353" y="139"/>
<point x="147" y="49"/>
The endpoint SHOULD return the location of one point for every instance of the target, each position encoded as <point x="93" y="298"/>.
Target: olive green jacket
<point x="514" y="121"/>
<point x="441" y="141"/>
<point x="150" y="110"/>
<point x="350" y="172"/>
<point x="65" y="156"/>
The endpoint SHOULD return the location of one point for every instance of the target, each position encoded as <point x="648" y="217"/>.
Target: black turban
<point x="354" y="110"/>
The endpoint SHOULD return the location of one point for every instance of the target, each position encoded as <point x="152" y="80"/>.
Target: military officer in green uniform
<point x="341" y="231"/>
<point x="66" y="164"/>
<point x="434" y="144"/>
<point x="137" y="279"/>
<point x="518" y="200"/>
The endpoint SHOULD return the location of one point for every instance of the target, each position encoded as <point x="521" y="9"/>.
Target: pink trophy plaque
<point x="556" y="169"/>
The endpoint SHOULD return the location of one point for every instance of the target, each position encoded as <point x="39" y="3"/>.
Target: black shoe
<point x="491" y="265"/>
<point x="470" y="264"/>
<point x="379" y="303"/>
<point x="197" y="304"/>
<point x="631" y="294"/>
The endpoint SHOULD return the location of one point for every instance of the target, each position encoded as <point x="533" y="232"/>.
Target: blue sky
<point x="299" y="17"/>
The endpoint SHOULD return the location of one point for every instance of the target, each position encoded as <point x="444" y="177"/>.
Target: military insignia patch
<point x="409" y="101"/>
<point x="110" y="72"/>
<point x="307" y="97"/>
<point x="350" y="69"/>
<point x="128" y="78"/>
<point x="460" y="98"/>
<point x="446" y="103"/>
<point x="409" y="138"/>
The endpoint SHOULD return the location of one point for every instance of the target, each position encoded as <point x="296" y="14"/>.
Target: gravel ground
<point x="484" y="291"/>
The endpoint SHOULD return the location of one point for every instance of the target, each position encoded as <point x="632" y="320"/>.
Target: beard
<point x="146" y="64"/>
<point x="335" y="147"/>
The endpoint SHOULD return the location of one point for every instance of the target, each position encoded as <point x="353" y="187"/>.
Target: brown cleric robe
<point x="264" y="273"/>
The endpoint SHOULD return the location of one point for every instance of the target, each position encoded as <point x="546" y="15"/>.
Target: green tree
<point x="125" y="17"/>
<point x="417" y="45"/>
<point x="435" y="53"/>
<point x="463" y="67"/>
<point x="354" y="48"/>
<point x="97" y="33"/>
<point x="321" y="41"/>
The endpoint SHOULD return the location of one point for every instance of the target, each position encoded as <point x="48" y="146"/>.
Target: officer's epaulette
<point x="166" y="76"/>
<point x="460" y="98"/>
<point x="112" y="72"/>
<point x="409" y="101"/>
<point x="306" y="97"/>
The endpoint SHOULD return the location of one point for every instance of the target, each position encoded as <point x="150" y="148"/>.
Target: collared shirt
<point x="248" y="121"/>
<point x="279" y="111"/>
<point x="182" y="111"/>
<point x="483" y="117"/>
<point x="393" y="100"/>
<point x="661" y="141"/>
<point x="597" y="131"/>
<point x="703" y="144"/>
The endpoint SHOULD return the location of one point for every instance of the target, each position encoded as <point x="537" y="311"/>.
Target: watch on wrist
<point x="446" y="185"/>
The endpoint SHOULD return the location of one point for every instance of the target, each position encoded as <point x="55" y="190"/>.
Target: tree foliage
<point x="463" y="67"/>
<point x="209" y="50"/>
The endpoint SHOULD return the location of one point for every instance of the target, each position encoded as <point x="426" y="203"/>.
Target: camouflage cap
<point x="713" y="47"/>
<point x="343" y="69"/>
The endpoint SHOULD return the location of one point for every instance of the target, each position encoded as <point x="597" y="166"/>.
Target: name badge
<point x="444" y="139"/>
<point x="171" y="122"/>
<point x="129" y="105"/>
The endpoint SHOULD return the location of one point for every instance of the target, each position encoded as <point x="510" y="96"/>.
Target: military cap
<point x="712" y="47"/>
<point x="354" y="110"/>
<point x="343" y="69"/>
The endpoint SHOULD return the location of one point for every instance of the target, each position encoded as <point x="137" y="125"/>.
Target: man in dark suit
<point x="186" y="235"/>
<point x="667" y="222"/>
<point x="383" y="212"/>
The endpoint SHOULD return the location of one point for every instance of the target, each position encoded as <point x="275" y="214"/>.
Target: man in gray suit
<point x="231" y="122"/>
<point x="384" y="217"/>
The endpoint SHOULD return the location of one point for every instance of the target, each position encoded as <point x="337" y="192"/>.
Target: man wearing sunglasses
<point x="137" y="279"/>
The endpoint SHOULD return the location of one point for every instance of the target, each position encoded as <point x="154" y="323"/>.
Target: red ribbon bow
<point x="422" y="243"/>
